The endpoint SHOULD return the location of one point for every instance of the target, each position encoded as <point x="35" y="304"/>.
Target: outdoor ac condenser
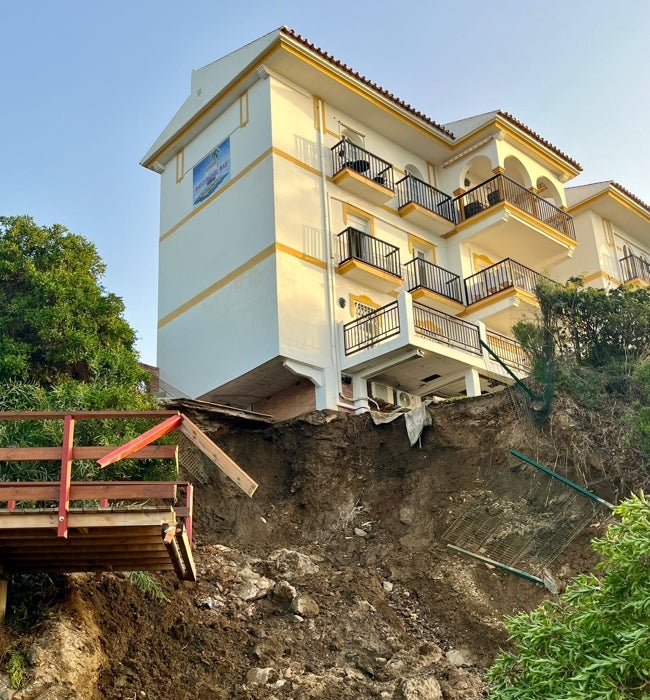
<point x="382" y="392"/>
<point x="406" y="400"/>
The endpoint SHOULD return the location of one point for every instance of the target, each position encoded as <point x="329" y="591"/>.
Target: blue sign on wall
<point x="212" y="172"/>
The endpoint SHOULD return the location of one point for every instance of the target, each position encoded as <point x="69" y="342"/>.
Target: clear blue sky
<point x="88" y="86"/>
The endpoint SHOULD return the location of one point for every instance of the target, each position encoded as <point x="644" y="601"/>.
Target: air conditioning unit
<point x="382" y="392"/>
<point x="406" y="400"/>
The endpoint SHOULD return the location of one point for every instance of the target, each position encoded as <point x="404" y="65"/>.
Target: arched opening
<point x="478" y="170"/>
<point x="516" y="171"/>
<point x="411" y="169"/>
<point x="548" y="191"/>
<point x="353" y="136"/>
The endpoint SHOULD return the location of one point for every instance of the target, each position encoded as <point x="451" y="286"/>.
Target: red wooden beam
<point x="84" y="415"/>
<point x="66" y="475"/>
<point x="145" y="439"/>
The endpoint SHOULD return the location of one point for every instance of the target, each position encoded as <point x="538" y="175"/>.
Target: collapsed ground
<point x="385" y="609"/>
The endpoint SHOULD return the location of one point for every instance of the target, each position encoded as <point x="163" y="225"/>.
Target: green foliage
<point x="148" y="585"/>
<point x="16" y="665"/>
<point x="73" y="395"/>
<point x="596" y="327"/>
<point x="56" y="320"/>
<point x="32" y="598"/>
<point x="594" y="642"/>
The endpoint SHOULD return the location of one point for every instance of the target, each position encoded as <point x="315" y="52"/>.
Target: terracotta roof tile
<point x="339" y="64"/>
<point x="629" y="194"/>
<point x="528" y="130"/>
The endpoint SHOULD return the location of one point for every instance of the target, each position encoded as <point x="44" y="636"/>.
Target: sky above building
<point x="88" y="86"/>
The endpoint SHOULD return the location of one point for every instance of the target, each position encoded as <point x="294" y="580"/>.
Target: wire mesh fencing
<point x="193" y="461"/>
<point x="523" y="518"/>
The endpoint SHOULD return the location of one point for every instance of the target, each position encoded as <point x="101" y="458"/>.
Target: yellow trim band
<point x="237" y="272"/>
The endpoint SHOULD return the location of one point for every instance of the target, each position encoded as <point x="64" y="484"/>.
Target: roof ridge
<point x="355" y="74"/>
<point x="513" y="120"/>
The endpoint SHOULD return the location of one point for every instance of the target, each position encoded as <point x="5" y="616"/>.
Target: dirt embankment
<point x="334" y="580"/>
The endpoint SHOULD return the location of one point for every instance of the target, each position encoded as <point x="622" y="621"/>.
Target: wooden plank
<point x="185" y="549"/>
<point x="176" y="558"/>
<point x="35" y="454"/>
<point x="126" y="518"/>
<point x="228" y="466"/>
<point x="127" y="566"/>
<point x="4" y="585"/>
<point x="66" y="475"/>
<point x="84" y="415"/>
<point x="20" y="549"/>
<point x="137" y="443"/>
<point x="69" y="558"/>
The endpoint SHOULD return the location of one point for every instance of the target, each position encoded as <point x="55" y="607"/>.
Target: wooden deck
<point x="99" y="539"/>
<point x="67" y="526"/>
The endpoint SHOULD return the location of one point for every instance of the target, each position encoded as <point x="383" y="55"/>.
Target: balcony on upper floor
<point x="509" y="351"/>
<point x="362" y="173"/>
<point x="507" y="219"/>
<point x="434" y="286"/>
<point x="423" y="351"/>
<point x="502" y="294"/>
<point x="424" y="205"/>
<point x="368" y="260"/>
<point x="636" y="270"/>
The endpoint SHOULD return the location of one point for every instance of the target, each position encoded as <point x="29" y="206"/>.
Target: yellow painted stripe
<point x="633" y="207"/>
<point x="216" y="286"/>
<point x="237" y="272"/>
<point x="216" y="194"/>
<point x="365" y="93"/>
<point x="237" y="178"/>
<point x="295" y="161"/>
<point x="603" y="275"/>
<point x="281" y="248"/>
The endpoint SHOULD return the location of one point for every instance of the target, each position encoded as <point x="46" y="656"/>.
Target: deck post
<point x="4" y="586"/>
<point x="66" y="475"/>
<point x="189" y="503"/>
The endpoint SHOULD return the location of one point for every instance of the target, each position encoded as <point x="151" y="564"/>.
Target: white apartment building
<point x="613" y="232"/>
<point x="325" y="245"/>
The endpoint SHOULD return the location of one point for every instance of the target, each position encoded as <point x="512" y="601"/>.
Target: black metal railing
<point x="502" y="275"/>
<point x="446" y="329"/>
<point x="356" y="245"/>
<point x="372" y="328"/>
<point x="412" y="189"/>
<point x="348" y="155"/>
<point x="509" y="350"/>
<point x="423" y="274"/>
<point x="501" y="188"/>
<point x="635" y="267"/>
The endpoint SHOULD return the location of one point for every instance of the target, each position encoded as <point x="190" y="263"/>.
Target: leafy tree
<point x="594" y="641"/>
<point x="56" y="319"/>
<point x="594" y="327"/>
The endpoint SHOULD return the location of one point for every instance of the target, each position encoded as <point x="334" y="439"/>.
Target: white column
<point x="472" y="382"/>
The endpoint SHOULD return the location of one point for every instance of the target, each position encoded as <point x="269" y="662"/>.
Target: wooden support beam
<point x="4" y="586"/>
<point x="66" y="475"/>
<point x="84" y="415"/>
<point x="33" y="454"/>
<point x="228" y="466"/>
<point x="184" y="544"/>
<point x="137" y="443"/>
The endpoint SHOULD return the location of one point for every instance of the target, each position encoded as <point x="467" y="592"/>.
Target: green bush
<point x="594" y="641"/>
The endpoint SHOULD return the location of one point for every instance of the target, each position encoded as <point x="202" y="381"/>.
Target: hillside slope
<point x="348" y="524"/>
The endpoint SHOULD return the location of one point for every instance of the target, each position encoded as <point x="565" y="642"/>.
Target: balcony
<point x="422" y="351"/>
<point x="433" y="285"/>
<point x="636" y="270"/>
<point x="424" y="205"/>
<point x="502" y="294"/>
<point x="362" y="173"/>
<point x="509" y="350"/>
<point x="369" y="260"/>
<point x="384" y="323"/>
<point x="502" y="216"/>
